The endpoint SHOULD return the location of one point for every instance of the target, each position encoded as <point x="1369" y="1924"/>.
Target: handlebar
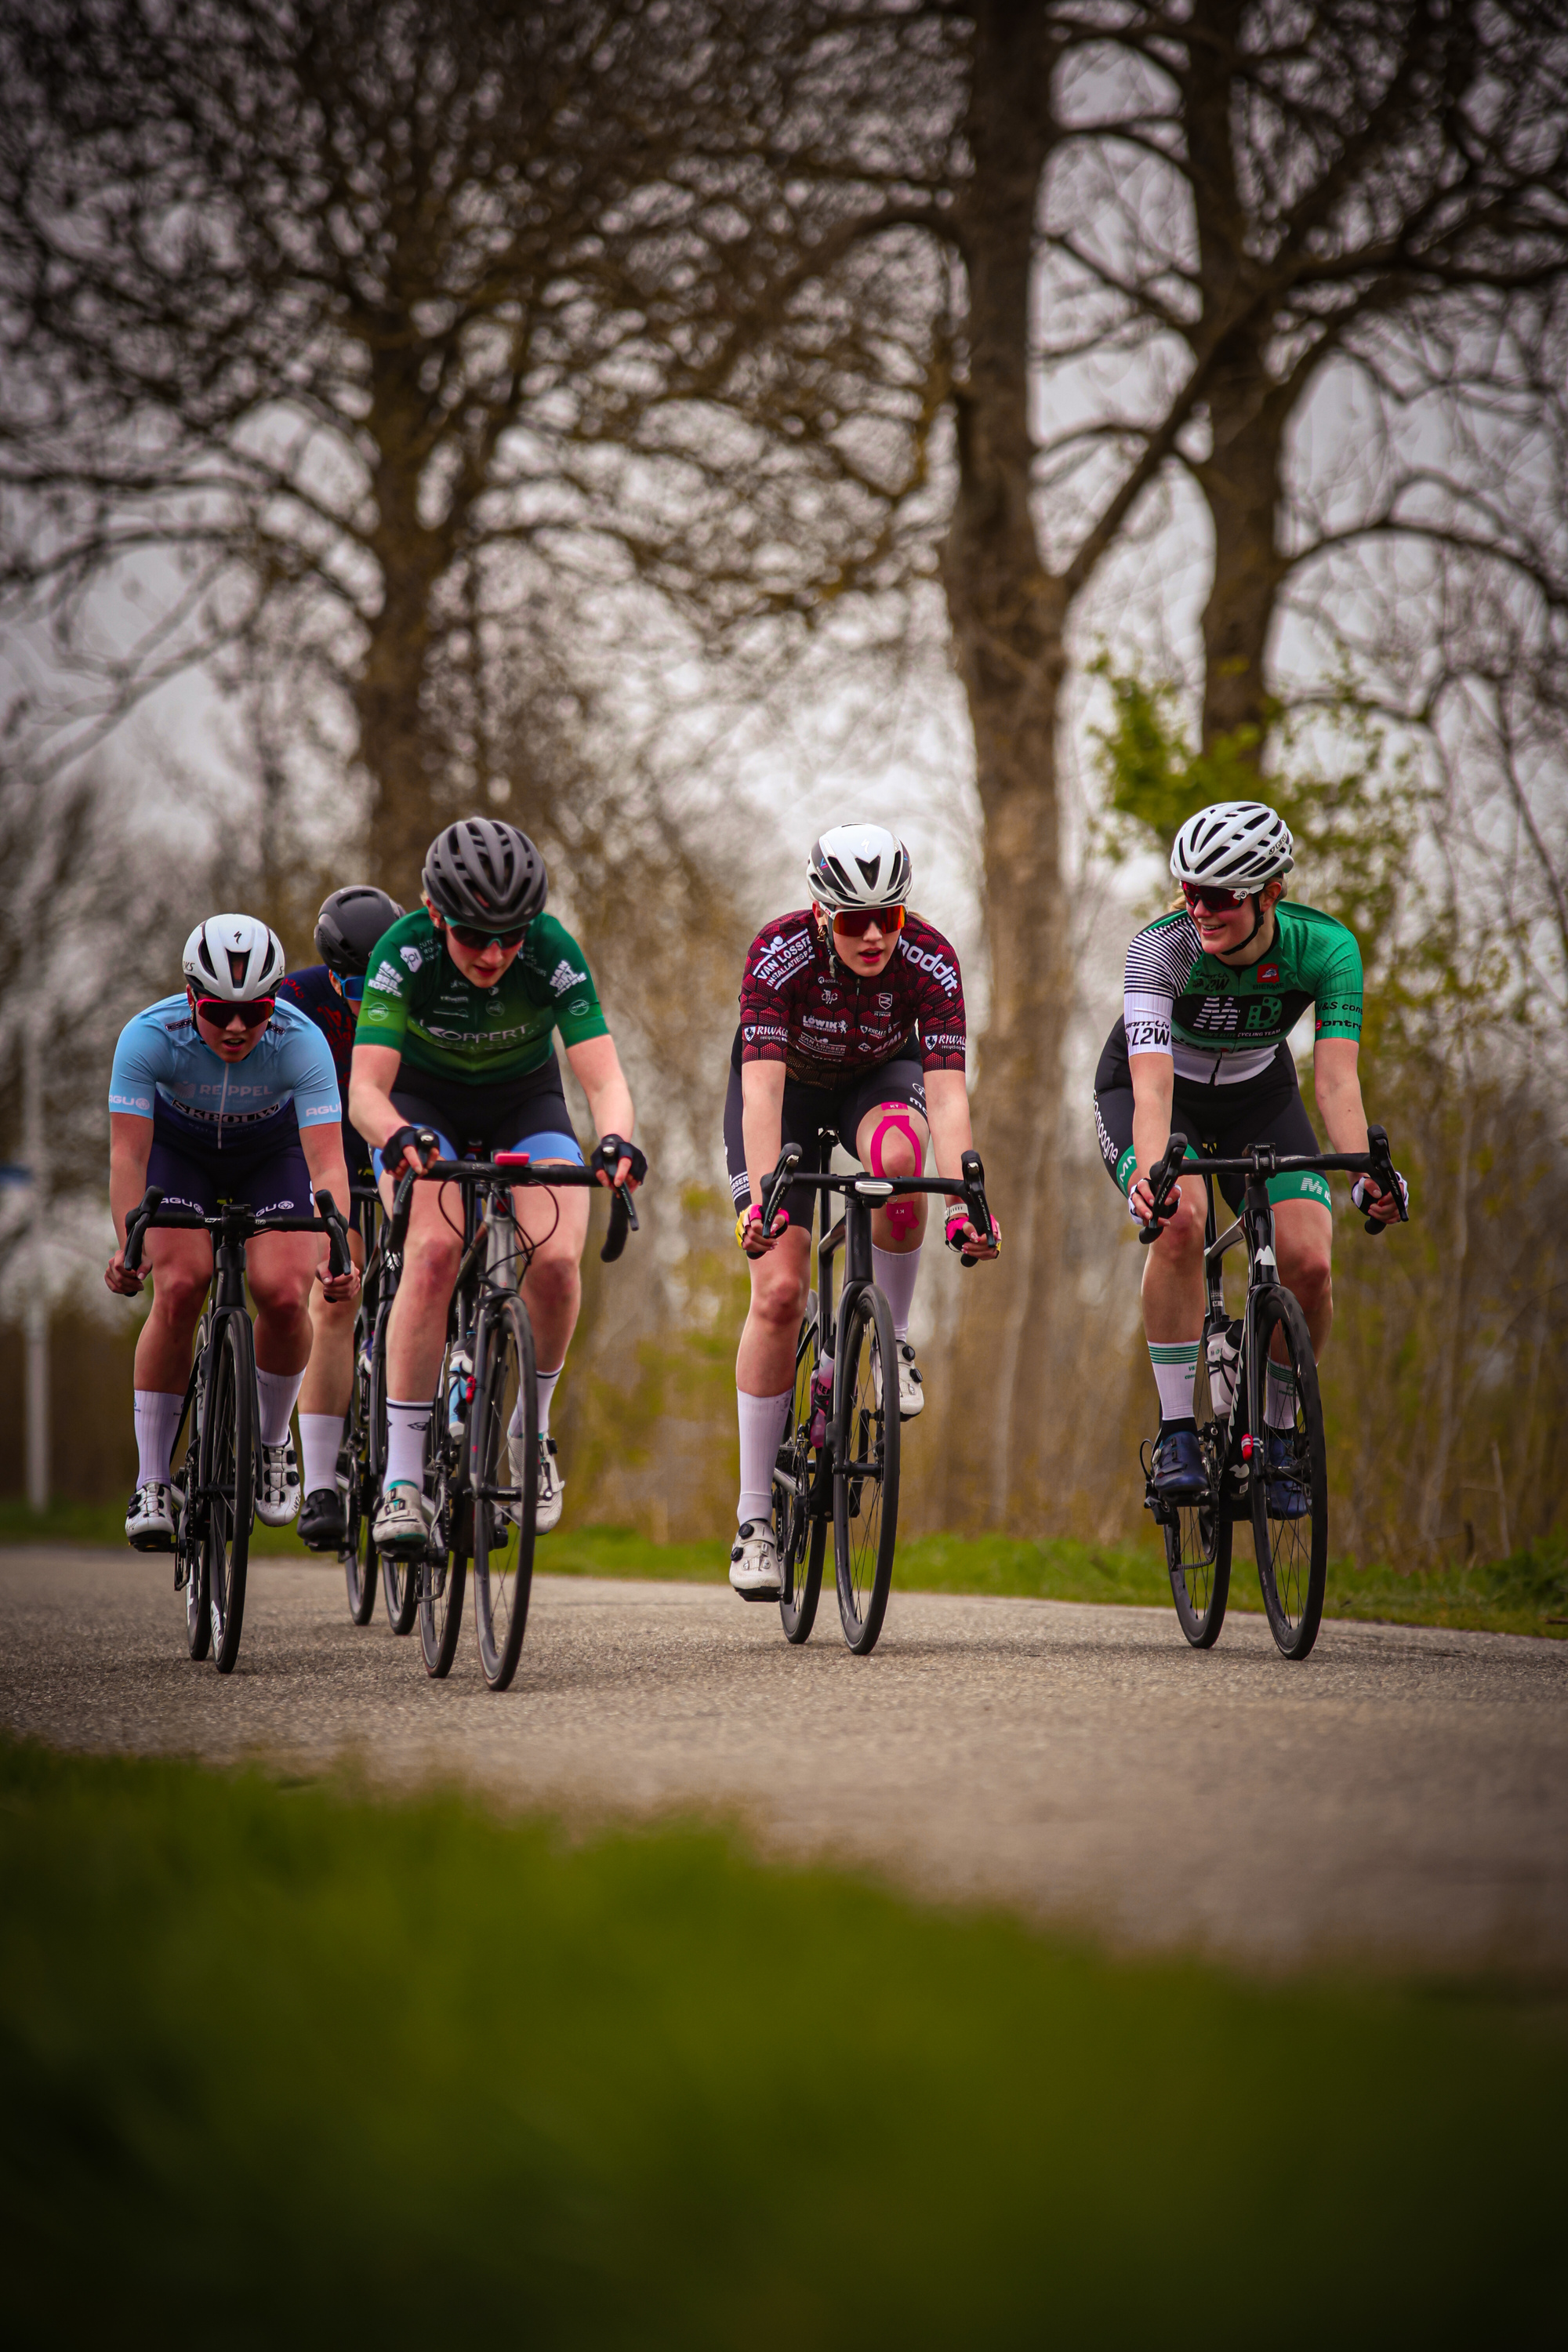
<point x="513" y="1167"/>
<point x="1262" y="1159"/>
<point x="878" y="1187"/>
<point x="149" y="1212"/>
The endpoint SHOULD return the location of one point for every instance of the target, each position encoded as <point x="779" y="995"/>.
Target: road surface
<point x="1401" y="1798"/>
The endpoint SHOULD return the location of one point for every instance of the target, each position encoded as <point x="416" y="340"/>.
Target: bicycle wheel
<point x="443" y="1570"/>
<point x="228" y="1463"/>
<point x="864" y="1468"/>
<point x="504" y="1501"/>
<point x="1198" y="1534"/>
<point x="1293" y="1551"/>
<point x="357" y="1484"/>
<point x="190" y="1552"/>
<point x="399" y="1574"/>
<point x="801" y="1531"/>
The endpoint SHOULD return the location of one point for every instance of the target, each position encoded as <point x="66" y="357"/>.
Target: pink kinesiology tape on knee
<point x="903" y="1216"/>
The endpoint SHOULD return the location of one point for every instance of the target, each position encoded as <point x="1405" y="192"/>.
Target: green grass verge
<point x="1527" y="1593"/>
<point x="280" y="2064"/>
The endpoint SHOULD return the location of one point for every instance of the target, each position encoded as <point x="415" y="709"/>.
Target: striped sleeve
<point x="1159" y="965"/>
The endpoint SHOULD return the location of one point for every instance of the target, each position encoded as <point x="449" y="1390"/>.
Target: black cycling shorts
<point x="808" y="1111"/>
<point x="503" y="1115"/>
<point x="1217" y="1121"/>
<point x="268" y="1173"/>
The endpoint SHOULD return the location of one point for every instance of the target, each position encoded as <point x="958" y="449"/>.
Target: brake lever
<point x="337" y="1235"/>
<point x="623" y="1219"/>
<point x="778" y="1185"/>
<point x="1387" y="1181"/>
<point x="1161" y="1178"/>
<point x="142" y="1216"/>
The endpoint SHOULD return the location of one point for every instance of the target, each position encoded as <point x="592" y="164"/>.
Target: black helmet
<point x="348" y="925"/>
<point x="482" y="873"/>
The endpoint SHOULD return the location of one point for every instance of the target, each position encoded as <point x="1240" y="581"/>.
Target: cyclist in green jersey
<point x="1212" y="993"/>
<point x="455" y="1034"/>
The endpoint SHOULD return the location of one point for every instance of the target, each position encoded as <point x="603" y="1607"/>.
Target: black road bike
<point x="483" y="1453"/>
<point x="1281" y="1487"/>
<point x="841" y="1460"/>
<point x="216" y="1486"/>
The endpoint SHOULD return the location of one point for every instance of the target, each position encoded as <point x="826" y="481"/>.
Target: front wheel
<point x="189" y="1547"/>
<point x="1198" y="1533"/>
<point x="399" y="1574"/>
<point x="357" y="1484"/>
<point x="1290" y="1485"/>
<point x="445" y="1566"/>
<point x="800" y="1529"/>
<point x="228" y="1463"/>
<point x="865" y="1468"/>
<point x="504" y="1471"/>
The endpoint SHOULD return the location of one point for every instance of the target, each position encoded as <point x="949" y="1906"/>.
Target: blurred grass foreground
<point x="280" y="2064"/>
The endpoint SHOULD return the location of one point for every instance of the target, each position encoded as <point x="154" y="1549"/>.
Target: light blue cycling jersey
<point x="162" y="1064"/>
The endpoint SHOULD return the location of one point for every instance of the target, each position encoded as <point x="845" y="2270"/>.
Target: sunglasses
<point x="352" y="985"/>
<point x="1215" y="902"/>
<point x="467" y="937"/>
<point x="255" y="1014"/>
<point x="890" y="920"/>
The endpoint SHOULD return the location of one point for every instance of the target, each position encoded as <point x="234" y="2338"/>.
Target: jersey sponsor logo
<point x="927" y="960"/>
<point x="466" y="1042"/>
<point x="387" y="981"/>
<point x="1269" y="971"/>
<point x="884" y="1002"/>
<point x="782" y="958"/>
<point x="131" y="1102"/>
<point x="953" y="1043"/>
<point x="411" y="957"/>
<point x="579" y="1006"/>
<point x="1148" y="1036"/>
<point x="836" y="1026"/>
<point x="563" y="977"/>
<point x="1264" y="1012"/>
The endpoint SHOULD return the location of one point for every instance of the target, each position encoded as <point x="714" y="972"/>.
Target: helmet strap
<point x="1259" y="920"/>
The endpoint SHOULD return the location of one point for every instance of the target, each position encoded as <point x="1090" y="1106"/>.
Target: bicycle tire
<point x="504" y="1513"/>
<point x="189" y="1553"/>
<point x="444" y="1567"/>
<point x="800" y="1531"/>
<point x="1198" y="1535"/>
<point x="358" y="1486"/>
<point x="399" y="1573"/>
<point x="865" y="1442"/>
<point x="228" y="1463"/>
<point x="1293" y="1553"/>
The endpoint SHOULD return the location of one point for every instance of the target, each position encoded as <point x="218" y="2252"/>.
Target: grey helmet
<point x="484" y="874"/>
<point x="234" y="957"/>
<point x="350" y="922"/>
<point x="859" y="866"/>
<point x="1234" y="845"/>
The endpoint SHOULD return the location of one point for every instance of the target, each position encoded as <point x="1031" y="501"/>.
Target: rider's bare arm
<point x="1336" y="1083"/>
<point x="372" y="1074"/>
<point x="596" y="1066"/>
<point x="947" y="1116"/>
<point x="130" y="1149"/>
<point x="1153" y="1090"/>
<point x="323" y="1149"/>
<point x="762" y="1128"/>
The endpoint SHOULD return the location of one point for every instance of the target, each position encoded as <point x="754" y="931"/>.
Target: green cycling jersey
<point x="417" y="1003"/>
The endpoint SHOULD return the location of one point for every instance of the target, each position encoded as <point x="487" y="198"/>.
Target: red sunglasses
<point x="890" y="921"/>
<point x="255" y="1010"/>
<point x="1215" y="902"/>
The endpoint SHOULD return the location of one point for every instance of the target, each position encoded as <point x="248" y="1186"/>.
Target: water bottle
<point x="1223" y="1357"/>
<point x="460" y="1392"/>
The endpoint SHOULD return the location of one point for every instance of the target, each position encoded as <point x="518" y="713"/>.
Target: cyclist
<point x="350" y="922"/>
<point x="1212" y="993"/>
<point x="455" y="1035"/>
<point x="222" y="1094"/>
<point x="851" y="1020"/>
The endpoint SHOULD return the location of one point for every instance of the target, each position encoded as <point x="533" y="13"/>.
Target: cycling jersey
<point x="163" y="1068"/>
<point x="1221" y="1025"/>
<point x="313" y="993"/>
<point x="417" y="1003"/>
<point x="801" y="1006"/>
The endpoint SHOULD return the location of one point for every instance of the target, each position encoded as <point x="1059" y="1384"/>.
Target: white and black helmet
<point x="234" y="957"/>
<point x="859" y="866"/>
<point x="1234" y="845"/>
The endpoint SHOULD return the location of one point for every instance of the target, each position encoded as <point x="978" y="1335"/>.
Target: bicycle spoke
<point x="503" y="1456"/>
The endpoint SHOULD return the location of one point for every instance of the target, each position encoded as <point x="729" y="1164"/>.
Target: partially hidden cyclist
<point x="1212" y="993"/>
<point x="350" y="922"/>
<point x="222" y="1094"/>
<point x="456" y="1035"/>
<point x="852" y="1021"/>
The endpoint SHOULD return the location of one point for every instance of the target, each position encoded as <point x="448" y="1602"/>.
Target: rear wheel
<point x="800" y="1531"/>
<point x="1198" y="1534"/>
<point x="228" y="1456"/>
<point x="1291" y="1487"/>
<point x="864" y="1468"/>
<point x="443" y="1570"/>
<point x="399" y="1574"/>
<point x="503" y="1469"/>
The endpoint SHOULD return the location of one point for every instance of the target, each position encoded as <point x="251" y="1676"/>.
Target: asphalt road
<point x="1401" y="1797"/>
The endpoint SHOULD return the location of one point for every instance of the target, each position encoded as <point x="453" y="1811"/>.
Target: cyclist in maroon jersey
<point x="851" y="1020"/>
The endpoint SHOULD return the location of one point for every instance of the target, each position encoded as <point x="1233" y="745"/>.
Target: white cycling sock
<point x="321" y="1437"/>
<point x="1175" y="1370"/>
<point x="276" y="1392"/>
<point x="157" y="1416"/>
<point x="1279" y="1397"/>
<point x="895" y="1272"/>
<point x="544" y="1389"/>
<point x="762" y="1427"/>
<point x="407" y="1426"/>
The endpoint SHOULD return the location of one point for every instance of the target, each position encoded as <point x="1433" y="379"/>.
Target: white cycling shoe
<point x="755" y="1563"/>
<point x="278" y="1484"/>
<point x="911" y="1395"/>
<point x="552" y="1486"/>
<point x="402" y="1523"/>
<point x="150" y="1521"/>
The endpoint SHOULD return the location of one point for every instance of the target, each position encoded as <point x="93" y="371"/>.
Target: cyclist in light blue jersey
<point x="222" y="1094"/>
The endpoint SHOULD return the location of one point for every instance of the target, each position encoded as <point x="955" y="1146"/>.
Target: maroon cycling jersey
<point x="800" y="1007"/>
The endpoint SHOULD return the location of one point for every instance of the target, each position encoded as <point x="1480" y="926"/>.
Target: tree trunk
<point x="1240" y="482"/>
<point x="1007" y="616"/>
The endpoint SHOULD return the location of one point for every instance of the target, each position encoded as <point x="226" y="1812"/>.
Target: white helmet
<point x="234" y="957"/>
<point x="1233" y="845"/>
<point x="859" y="866"/>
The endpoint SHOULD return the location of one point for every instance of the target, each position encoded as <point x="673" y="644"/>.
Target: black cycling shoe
<point x="322" y="1527"/>
<point x="1179" y="1463"/>
<point x="1288" y="1498"/>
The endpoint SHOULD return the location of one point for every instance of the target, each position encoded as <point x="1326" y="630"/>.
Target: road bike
<point x="840" y="1457"/>
<point x="481" y="1472"/>
<point x="215" y="1490"/>
<point x="1282" y="1489"/>
<point x="359" y="1468"/>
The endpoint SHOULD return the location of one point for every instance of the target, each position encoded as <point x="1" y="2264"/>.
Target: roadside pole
<point x="37" y="1312"/>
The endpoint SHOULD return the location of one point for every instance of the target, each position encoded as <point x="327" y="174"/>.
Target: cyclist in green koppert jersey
<point x="1212" y="993"/>
<point x="455" y="1034"/>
